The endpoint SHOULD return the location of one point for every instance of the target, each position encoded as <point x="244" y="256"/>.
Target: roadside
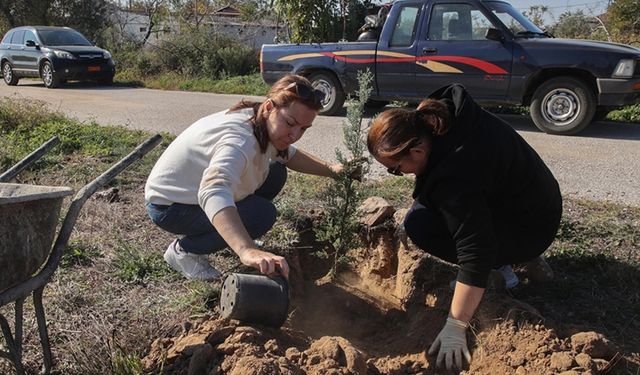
<point x="602" y="163"/>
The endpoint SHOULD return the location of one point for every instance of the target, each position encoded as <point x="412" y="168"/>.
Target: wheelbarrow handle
<point x="70" y="218"/>
<point x="35" y="155"/>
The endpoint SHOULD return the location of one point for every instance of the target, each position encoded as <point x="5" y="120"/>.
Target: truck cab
<point x="500" y="56"/>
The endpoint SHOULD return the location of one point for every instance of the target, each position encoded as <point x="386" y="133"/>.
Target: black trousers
<point x="520" y="238"/>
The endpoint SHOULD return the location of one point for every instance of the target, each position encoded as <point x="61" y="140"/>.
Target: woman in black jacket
<point x="484" y="199"/>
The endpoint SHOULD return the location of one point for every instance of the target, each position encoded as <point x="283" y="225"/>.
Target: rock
<point x="293" y="354"/>
<point x="521" y="371"/>
<point x="375" y="210"/>
<point x="218" y="336"/>
<point x="584" y="360"/>
<point x="340" y="351"/>
<point x="561" y="361"/>
<point x="570" y="372"/>
<point x="201" y="360"/>
<point x="516" y="360"/>
<point x="593" y="344"/>
<point x="110" y="195"/>
<point x="271" y="346"/>
<point x="186" y="345"/>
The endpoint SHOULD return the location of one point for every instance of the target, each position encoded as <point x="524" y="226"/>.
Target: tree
<point x="622" y="16"/>
<point x="536" y="14"/>
<point x="89" y="17"/>
<point x="313" y="21"/>
<point x="577" y="25"/>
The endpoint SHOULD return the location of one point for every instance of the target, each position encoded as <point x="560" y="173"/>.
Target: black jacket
<point x="479" y="175"/>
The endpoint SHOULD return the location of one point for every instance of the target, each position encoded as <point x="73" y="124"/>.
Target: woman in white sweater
<point x="215" y="182"/>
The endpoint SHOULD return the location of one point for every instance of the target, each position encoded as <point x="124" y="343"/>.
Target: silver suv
<point x="55" y="54"/>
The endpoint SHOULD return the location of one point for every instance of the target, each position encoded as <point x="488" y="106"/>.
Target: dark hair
<point x="282" y="94"/>
<point x="396" y="130"/>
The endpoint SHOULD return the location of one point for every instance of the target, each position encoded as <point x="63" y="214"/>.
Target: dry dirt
<point x="378" y="318"/>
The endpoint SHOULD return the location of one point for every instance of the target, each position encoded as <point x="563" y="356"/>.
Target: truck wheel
<point x="7" y="73"/>
<point x="562" y="105"/>
<point x="333" y="93"/>
<point x="48" y="76"/>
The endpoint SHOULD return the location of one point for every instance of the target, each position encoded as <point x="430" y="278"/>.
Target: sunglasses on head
<point x="306" y="93"/>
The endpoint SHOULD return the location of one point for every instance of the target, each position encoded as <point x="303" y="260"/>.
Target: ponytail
<point x="435" y="115"/>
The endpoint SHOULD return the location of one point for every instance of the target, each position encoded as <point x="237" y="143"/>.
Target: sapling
<point x="338" y="231"/>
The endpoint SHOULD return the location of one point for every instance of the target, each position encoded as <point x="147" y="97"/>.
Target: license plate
<point x="93" y="68"/>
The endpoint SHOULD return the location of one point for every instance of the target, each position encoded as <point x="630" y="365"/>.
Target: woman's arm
<point x="307" y="163"/>
<point x="228" y="223"/>
<point x="466" y="299"/>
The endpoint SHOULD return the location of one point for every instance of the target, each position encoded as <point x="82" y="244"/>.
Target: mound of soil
<point x="379" y="319"/>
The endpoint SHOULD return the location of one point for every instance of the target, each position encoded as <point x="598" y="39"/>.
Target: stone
<point x="201" y="360"/>
<point x="375" y="210"/>
<point x="584" y="360"/>
<point x="562" y="361"/>
<point x="593" y="344"/>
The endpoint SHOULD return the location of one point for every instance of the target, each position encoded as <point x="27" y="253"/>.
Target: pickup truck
<point x="499" y="55"/>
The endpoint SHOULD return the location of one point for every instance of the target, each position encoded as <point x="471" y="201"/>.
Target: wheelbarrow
<point x="29" y="215"/>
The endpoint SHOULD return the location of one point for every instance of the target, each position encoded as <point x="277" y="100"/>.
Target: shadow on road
<point x="601" y="129"/>
<point x="79" y="85"/>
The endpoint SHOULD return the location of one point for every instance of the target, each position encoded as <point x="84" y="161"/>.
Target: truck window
<point x="404" y="31"/>
<point x="457" y="22"/>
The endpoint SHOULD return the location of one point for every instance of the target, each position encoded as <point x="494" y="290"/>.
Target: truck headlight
<point x="64" y="54"/>
<point x="106" y="55"/>
<point x="624" y="69"/>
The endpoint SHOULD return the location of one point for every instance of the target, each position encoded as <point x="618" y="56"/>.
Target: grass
<point x="242" y="85"/>
<point x="113" y="294"/>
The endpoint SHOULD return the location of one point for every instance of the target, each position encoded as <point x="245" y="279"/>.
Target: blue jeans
<point x="257" y="212"/>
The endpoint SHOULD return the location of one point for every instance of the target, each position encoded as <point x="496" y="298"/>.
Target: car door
<point x="396" y="53"/>
<point x="17" y="51"/>
<point x="455" y="50"/>
<point x="30" y="53"/>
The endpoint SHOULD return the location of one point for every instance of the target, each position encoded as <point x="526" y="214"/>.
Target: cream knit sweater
<point x="214" y="163"/>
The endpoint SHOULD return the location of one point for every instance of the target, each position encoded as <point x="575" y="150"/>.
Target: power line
<point x="567" y="6"/>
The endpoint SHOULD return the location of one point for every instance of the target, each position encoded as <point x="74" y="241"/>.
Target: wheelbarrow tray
<point x="29" y="216"/>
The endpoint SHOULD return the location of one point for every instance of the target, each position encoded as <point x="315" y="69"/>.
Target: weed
<point x="78" y="254"/>
<point x="134" y="267"/>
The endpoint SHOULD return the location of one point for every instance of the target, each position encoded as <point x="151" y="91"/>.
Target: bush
<point x="627" y="114"/>
<point x="238" y="60"/>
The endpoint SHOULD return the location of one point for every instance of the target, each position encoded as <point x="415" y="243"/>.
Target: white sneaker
<point x="510" y="278"/>
<point x="191" y="266"/>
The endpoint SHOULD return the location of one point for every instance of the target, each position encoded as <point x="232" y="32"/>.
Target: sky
<point x="557" y="7"/>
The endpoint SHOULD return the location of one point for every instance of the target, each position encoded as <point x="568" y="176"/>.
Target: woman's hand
<point x="268" y="263"/>
<point x="451" y="345"/>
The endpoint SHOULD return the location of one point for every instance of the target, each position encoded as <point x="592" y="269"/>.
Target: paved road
<point x="602" y="163"/>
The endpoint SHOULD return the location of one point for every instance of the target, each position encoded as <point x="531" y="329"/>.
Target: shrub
<point x="238" y="60"/>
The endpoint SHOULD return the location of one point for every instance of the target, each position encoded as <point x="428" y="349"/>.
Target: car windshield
<point x="514" y="20"/>
<point x="63" y="38"/>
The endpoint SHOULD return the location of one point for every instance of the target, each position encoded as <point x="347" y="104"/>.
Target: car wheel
<point x="563" y="105"/>
<point x="7" y="73"/>
<point x="333" y="93"/>
<point x="48" y="76"/>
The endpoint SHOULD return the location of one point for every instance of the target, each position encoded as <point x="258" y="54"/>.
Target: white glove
<point x="452" y="341"/>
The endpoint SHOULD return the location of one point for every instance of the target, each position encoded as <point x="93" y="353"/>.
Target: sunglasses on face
<point x="396" y="170"/>
<point x="306" y="93"/>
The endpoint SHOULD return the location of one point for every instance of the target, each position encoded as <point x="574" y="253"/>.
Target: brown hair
<point x="282" y="94"/>
<point x="396" y="130"/>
